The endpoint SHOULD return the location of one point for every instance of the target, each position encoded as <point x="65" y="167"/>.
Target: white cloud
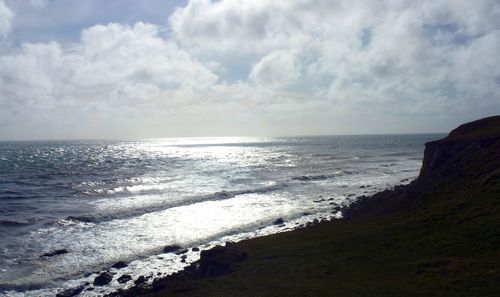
<point x="304" y="67"/>
<point x="6" y="16"/>
<point x="404" y="55"/>
<point x="279" y="68"/>
<point x="110" y="60"/>
<point x="234" y="26"/>
<point x="114" y="68"/>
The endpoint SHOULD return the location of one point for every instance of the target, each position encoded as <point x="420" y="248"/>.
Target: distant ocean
<point x="106" y="201"/>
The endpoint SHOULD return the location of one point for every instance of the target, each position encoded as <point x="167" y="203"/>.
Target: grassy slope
<point x="445" y="242"/>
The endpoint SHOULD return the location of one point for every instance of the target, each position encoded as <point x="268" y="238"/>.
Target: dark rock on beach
<point x="195" y="249"/>
<point x="103" y="279"/>
<point x="124" y="278"/>
<point x="140" y="280"/>
<point x="70" y="292"/>
<point x="119" y="265"/>
<point x="218" y="260"/>
<point x="55" y="253"/>
<point x="171" y="248"/>
<point x="279" y="221"/>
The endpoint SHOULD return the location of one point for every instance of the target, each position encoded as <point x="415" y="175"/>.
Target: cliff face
<point x="469" y="152"/>
<point x="463" y="164"/>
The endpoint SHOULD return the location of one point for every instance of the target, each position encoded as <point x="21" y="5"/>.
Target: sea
<point x="102" y="201"/>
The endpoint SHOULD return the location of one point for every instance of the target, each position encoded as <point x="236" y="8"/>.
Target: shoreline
<point x="438" y="235"/>
<point x="266" y="181"/>
<point x="217" y="260"/>
<point x="279" y="226"/>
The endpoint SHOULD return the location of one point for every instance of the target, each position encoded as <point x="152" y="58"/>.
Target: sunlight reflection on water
<point x="106" y="201"/>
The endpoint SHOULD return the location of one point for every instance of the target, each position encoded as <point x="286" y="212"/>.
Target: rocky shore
<point x="437" y="236"/>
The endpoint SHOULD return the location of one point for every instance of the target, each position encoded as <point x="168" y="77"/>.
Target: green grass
<point x="447" y="244"/>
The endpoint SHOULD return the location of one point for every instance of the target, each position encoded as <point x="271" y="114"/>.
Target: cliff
<point x="466" y="161"/>
<point x="471" y="151"/>
<point x="438" y="236"/>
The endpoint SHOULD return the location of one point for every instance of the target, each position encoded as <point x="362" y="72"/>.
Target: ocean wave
<point x="313" y="177"/>
<point x="15" y="288"/>
<point x="17" y="223"/>
<point x="221" y="195"/>
<point x="132" y="188"/>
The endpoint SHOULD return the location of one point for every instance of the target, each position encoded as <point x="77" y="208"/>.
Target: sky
<point x="78" y="69"/>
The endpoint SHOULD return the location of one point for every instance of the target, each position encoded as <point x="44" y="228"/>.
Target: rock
<point x="279" y="221"/>
<point x="195" y="249"/>
<point x="103" y="279"/>
<point x="55" y="253"/>
<point x="119" y="265"/>
<point x="218" y="260"/>
<point x="140" y="280"/>
<point x="183" y="251"/>
<point x="70" y="292"/>
<point x="171" y="248"/>
<point x="124" y="278"/>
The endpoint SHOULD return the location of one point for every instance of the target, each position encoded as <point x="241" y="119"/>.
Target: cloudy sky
<point x="126" y="69"/>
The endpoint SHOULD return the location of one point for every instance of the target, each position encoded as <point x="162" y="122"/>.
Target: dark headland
<point x="438" y="236"/>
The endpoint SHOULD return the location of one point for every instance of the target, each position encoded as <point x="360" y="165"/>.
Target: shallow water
<point x="106" y="201"/>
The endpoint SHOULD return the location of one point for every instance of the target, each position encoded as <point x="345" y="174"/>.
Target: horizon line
<point x="231" y="136"/>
